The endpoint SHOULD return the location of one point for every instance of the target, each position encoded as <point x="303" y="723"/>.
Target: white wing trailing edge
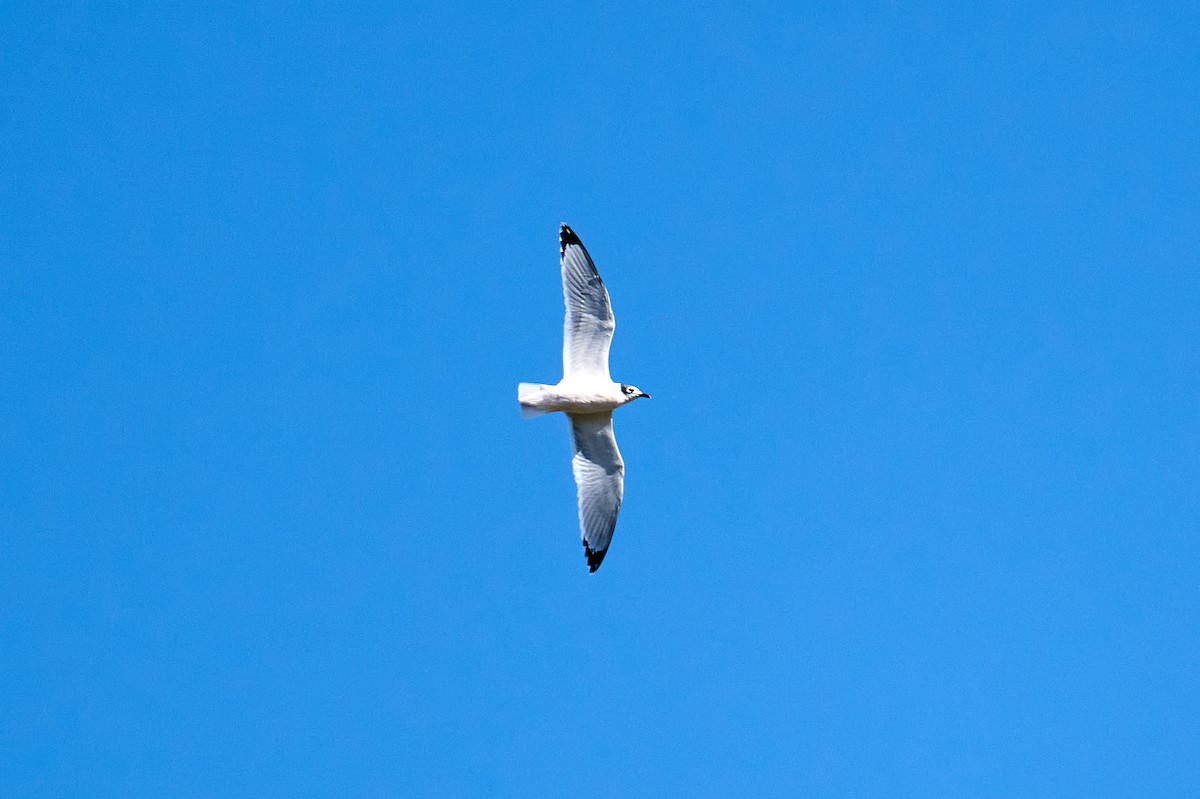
<point x="588" y="328"/>
<point x="599" y="481"/>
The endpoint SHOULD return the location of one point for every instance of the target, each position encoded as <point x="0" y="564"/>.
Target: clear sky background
<point x="914" y="510"/>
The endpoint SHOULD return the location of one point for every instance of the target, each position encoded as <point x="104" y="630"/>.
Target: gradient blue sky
<point x="913" y="511"/>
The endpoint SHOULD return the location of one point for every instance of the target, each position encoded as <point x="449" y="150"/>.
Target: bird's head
<point x="632" y="392"/>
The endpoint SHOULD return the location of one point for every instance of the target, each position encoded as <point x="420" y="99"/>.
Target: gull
<point x="588" y="396"/>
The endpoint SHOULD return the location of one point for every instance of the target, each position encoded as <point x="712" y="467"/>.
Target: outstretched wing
<point x="600" y="481"/>
<point x="588" y="329"/>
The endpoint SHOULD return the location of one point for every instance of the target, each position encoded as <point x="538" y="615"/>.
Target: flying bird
<point x="588" y="396"/>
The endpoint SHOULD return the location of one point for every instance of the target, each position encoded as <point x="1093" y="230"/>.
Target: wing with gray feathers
<point x="588" y="329"/>
<point x="600" y="481"/>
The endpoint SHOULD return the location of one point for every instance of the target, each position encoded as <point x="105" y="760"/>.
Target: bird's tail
<point x="527" y="395"/>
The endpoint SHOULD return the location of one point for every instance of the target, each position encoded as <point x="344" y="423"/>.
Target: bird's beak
<point x="644" y="394"/>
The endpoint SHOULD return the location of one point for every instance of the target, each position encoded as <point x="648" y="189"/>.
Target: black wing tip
<point x="594" y="558"/>
<point x="566" y="236"/>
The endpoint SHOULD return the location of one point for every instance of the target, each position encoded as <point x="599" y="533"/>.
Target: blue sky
<point x="913" y="511"/>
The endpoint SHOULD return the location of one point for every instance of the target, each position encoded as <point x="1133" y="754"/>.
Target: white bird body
<point x="571" y="397"/>
<point x="588" y="396"/>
